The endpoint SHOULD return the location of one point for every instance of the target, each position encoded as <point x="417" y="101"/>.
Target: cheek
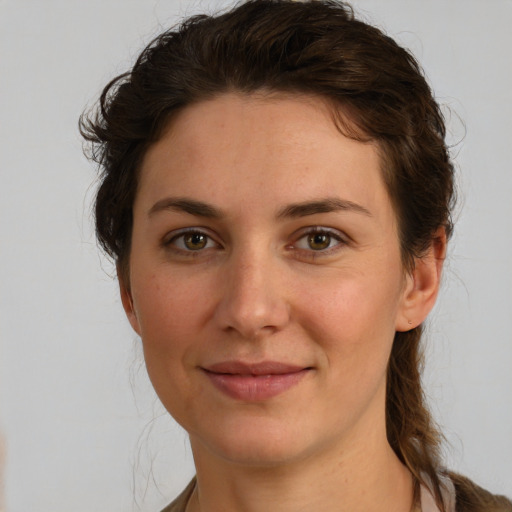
<point x="352" y="325"/>
<point x="353" y="308"/>
<point x="169" y="309"/>
<point x="172" y="314"/>
<point x="352" y="320"/>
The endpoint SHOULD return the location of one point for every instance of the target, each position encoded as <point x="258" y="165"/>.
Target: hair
<point x="377" y="92"/>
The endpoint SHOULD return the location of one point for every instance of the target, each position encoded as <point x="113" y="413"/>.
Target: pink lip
<point x="254" y="382"/>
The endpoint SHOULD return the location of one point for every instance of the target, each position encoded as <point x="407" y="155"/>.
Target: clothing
<point x="428" y="503"/>
<point x="180" y="503"/>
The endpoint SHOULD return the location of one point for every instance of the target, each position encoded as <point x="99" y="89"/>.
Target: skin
<point x="255" y="285"/>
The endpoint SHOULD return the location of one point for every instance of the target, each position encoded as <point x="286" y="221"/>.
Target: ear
<point x="127" y="300"/>
<point x="422" y="285"/>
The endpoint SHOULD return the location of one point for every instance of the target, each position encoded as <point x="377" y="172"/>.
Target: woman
<point x="276" y="193"/>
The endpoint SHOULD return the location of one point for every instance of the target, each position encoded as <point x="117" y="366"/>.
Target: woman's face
<point x="265" y="279"/>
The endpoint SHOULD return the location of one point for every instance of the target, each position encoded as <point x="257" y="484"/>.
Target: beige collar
<point x="428" y="503"/>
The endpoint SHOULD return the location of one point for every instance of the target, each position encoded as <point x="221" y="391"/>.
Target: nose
<point x="252" y="300"/>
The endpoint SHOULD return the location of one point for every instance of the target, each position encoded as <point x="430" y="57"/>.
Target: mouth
<point x="254" y="382"/>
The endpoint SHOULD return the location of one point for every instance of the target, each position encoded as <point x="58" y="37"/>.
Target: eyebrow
<point x="183" y="204"/>
<point x="295" y="210"/>
<point x="330" y="204"/>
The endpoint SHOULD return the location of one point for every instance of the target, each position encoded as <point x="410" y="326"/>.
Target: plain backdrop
<point x="82" y="428"/>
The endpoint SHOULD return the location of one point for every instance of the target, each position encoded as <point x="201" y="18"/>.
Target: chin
<point x="259" y="444"/>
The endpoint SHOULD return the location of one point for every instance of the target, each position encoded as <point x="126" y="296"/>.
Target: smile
<point x="254" y="382"/>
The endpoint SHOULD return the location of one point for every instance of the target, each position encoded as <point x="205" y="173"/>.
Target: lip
<point x="254" y="382"/>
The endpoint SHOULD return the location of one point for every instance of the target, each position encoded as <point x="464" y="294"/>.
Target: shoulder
<point x="473" y="498"/>
<point x="180" y="503"/>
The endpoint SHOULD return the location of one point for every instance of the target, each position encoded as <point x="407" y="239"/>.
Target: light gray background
<point x="76" y="409"/>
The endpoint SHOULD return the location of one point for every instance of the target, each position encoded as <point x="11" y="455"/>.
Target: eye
<point x="191" y="240"/>
<point x="318" y="240"/>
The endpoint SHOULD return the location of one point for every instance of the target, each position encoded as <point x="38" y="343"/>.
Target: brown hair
<point x="316" y="48"/>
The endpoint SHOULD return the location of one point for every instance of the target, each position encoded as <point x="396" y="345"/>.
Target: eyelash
<point x="171" y="242"/>
<point x="334" y="236"/>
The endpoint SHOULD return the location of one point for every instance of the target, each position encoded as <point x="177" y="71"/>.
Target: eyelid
<point x="341" y="238"/>
<point x="336" y="234"/>
<point x="172" y="236"/>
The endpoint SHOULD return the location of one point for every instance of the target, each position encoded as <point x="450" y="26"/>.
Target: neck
<point x="367" y="477"/>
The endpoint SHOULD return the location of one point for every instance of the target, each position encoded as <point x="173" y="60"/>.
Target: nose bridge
<point x="252" y="302"/>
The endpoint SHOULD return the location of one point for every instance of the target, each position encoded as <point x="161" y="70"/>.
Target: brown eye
<point x="195" y="241"/>
<point x="192" y="241"/>
<point x="319" y="241"/>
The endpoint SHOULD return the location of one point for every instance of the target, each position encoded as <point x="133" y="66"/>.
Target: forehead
<point x="239" y="148"/>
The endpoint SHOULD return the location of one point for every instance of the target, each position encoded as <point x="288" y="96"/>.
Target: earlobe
<point x="422" y="285"/>
<point x="127" y="301"/>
